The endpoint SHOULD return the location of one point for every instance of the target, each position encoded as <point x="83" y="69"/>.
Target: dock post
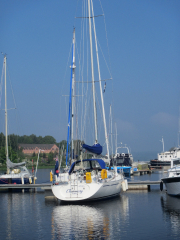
<point x="22" y="180"/>
<point x="149" y="188"/>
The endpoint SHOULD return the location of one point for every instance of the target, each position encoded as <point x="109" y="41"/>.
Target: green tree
<point x="49" y="140"/>
<point x="13" y="141"/>
<point x="33" y="155"/>
<point x="2" y="155"/>
<point x="2" y="140"/>
<point x="50" y="157"/>
<point x="12" y="155"/>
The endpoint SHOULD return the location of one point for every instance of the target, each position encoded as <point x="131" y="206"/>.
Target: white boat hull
<point x="172" y="185"/>
<point x="82" y="191"/>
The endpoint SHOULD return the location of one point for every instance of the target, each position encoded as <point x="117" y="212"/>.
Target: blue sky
<point x="144" y="52"/>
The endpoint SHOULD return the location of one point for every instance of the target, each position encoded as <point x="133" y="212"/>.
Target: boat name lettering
<point x="74" y="192"/>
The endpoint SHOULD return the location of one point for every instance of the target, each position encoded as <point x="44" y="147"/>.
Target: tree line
<point x="16" y="154"/>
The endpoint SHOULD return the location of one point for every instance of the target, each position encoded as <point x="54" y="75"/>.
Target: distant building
<point x="29" y="149"/>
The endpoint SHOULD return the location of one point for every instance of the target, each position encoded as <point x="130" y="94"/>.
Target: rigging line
<point x="18" y="119"/>
<point x="92" y="16"/>
<point x="11" y="86"/>
<point x="108" y="52"/>
<point x="95" y="81"/>
<point x="87" y="63"/>
<point x="105" y="60"/>
<point x="109" y="127"/>
<point x="16" y="112"/>
<point x="8" y="108"/>
<point x="89" y="117"/>
<point x="106" y="33"/>
<point x="86" y="107"/>
<point x="76" y="12"/>
<point x="1" y="86"/>
<point x="82" y="66"/>
<point x="101" y="114"/>
<point x="62" y="88"/>
<point x="85" y="90"/>
<point x="66" y="108"/>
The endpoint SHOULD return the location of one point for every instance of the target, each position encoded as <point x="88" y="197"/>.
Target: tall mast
<point x="162" y="143"/>
<point x="102" y="99"/>
<point x="92" y="71"/>
<point x="116" y="137"/>
<point x="6" y="132"/>
<point x="111" y="131"/>
<point x="163" y="146"/>
<point x="70" y="98"/>
<point x="73" y="79"/>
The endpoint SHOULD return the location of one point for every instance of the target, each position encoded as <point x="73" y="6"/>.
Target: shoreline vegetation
<point x="16" y="154"/>
<point x="46" y="160"/>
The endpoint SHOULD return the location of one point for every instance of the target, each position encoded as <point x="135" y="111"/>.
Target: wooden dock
<point x="142" y="172"/>
<point x="43" y="186"/>
<point x="138" y="185"/>
<point x="142" y="185"/>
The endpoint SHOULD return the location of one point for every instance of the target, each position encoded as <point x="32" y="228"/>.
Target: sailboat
<point x="17" y="173"/>
<point x="89" y="179"/>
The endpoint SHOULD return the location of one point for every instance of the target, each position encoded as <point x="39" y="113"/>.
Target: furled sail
<point x="96" y="148"/>
<point x="14" y="165"/>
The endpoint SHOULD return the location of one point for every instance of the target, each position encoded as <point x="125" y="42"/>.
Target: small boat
<point x="87" y="179"/>
<point x="123" y="161"/>
<point x="172" y="181"/>
<point x="17" y="173"/>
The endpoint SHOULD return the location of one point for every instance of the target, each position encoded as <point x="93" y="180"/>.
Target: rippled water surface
<point x="132" y="215"/>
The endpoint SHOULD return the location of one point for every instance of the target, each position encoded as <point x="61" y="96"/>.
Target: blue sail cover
<point x="96" y="148"/>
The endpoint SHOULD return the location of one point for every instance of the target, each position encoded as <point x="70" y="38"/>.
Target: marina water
<point x="133" y="215"/>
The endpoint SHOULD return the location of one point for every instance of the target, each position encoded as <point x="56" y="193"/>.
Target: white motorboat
<point x="87" y="179"/>
<point x="17" y="173"/>
<point x="123" y="158"/>
<point x="172" y="181"/>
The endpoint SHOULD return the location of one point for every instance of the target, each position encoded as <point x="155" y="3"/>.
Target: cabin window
<point x="95" y="164"/>
<point x="85" y="164"/>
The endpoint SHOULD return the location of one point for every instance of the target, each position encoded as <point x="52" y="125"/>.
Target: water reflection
<point x="89" y="221"/>
<point x="171" y="209"/>
<point x="21" y="215"/>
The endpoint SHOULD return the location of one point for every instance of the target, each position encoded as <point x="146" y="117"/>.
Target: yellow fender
<point x="104" y="173"/>
<point x="88" y="177"/>
<point x="51" y="176"/>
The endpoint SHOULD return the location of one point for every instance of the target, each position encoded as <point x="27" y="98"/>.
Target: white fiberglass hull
<point x="82" y="191"/>
<point x="172" y="185"/>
